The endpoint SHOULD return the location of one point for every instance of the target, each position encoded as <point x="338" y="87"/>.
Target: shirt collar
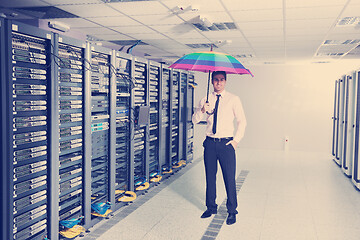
<point x="223" y="93"/>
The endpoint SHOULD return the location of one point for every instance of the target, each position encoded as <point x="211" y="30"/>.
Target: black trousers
<point x="214" y="150"/>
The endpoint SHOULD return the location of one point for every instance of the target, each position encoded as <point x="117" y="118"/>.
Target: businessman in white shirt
<point x="220" y="143"/>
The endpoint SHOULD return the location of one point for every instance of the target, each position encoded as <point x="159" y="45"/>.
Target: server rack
<point x="356" y="165"/>
<point x="155" y="120"/>
<point x="349" y="129"/>
<point x="70" y="62"/>
<point x="100" y="126"/>
<point x="175" y="116"/>
<point x="67" y="105"/>
<point x="124" y="124"/>
<point x="335" y="119"/>
<point x="182" y="116"/>
<point x="165" y="143"/>
<point x="141" y="131"/>
<point x="29" y="195"/>
<point x="340" y="140"/>
<point x="189" y="112"/>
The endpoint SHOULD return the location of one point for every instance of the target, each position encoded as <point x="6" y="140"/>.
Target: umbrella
<point x="210" y="61"/>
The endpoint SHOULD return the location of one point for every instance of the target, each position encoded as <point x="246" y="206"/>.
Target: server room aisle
<point x="293" y="195"/>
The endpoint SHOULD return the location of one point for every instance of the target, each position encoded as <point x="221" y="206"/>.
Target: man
<point x="220" y="142"/>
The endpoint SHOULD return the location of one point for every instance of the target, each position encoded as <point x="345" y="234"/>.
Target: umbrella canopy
<point x="209" y="62"/>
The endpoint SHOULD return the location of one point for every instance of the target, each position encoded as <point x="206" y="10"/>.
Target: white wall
<point x="284" y="100"/>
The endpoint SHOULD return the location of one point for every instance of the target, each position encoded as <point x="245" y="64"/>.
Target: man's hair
<point x="218" y="72"/>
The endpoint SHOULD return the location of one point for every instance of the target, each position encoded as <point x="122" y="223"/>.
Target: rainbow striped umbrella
<point x="210" y="61"/>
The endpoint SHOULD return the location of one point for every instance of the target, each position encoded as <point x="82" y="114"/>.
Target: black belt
<point x="219" y="139"/>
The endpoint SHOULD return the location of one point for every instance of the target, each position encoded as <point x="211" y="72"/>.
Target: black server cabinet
<point x="165" y="110"/>
<point x="70" y="62"/>
<point x="356" y="164"/>
<point x="124" y="156"/>
<point x="340" y="117"/>
<point x="29" y="188"/>
<point x="175" y="116"/>
<point x="100" y="126"/>
<point x="141" y="128"/>
<point x="182" y="116"/>
<point x="335" y="119"/>
<point x="189" y="113"/>
<point x="345" y="122"/>
<point x="155" y="120"/>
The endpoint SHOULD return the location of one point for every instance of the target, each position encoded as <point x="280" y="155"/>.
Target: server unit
<point x="71" y="73"/>
<point x="141" y="128"/>
<point x="335" y="120"/>
<point x="100" y="124"/>
<point x="27" y="156"/>
<point x="182" y="116"/>
<point x="340" y="117"/>
<point x="356" y="164"/>
<point x="124" y="155"/>
<point x="155" y="120"/>
<point x="189" y="112"/>
<point x="165" y="143"/>
<point x="349" y="124"/>
<point x="175" y="116"/>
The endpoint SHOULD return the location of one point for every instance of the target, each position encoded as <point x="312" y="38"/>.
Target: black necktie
<point x="215" y="113"/>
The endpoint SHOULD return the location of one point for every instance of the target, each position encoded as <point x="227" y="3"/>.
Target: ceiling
<point x="255" y="32"/>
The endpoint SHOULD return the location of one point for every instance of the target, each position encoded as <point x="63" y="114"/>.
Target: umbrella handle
<point x="208" y="85"/>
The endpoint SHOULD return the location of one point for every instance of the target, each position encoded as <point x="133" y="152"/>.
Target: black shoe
<point x="231" y="219"/>
<point x="208" y="213"/>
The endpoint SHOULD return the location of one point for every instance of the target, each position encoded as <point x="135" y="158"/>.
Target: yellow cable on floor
<point x="157" y="178"/>
<point x="72" y="232"/>
<point x="143" y="186"/>
<point x="170" y="171"/>
<point x="128" y="196"/>
<point x="101" y="215"/>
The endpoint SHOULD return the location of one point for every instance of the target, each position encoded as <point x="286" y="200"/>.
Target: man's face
<point x="219" y="83"/>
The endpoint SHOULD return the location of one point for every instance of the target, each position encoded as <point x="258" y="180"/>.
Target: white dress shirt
<point x="230" y="107"/>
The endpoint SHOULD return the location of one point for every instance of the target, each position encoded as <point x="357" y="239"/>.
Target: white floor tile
<point x="294" y="195"/>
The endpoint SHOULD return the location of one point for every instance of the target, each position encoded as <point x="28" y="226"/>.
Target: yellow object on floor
<point x="101" y="215"/>
<point x="127" y="197"/>
<point x="143" y="186"/>
<point x="72" y="232"/>
<point x="179" y="164"/>
<point x="157" y="178"/>
<point x="170" y="171"/>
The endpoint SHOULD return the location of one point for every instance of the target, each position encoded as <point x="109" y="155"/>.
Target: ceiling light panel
<point x="71" y="2"/>
<point x="140" y="8"/>
<point x="23" y="3"/>
<point x="257" y="15"/>
<point x="254" y="4"/>
<point x="133" y="29"/>
<point x="91" y="10"/>
<point x="115" y="21"/>
<point x="312" y="3"/>
<point x="164" y="19"/>
<point x="313" y="12"/>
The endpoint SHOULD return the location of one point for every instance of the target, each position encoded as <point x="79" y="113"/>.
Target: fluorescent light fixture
<point x="58" y="26"/>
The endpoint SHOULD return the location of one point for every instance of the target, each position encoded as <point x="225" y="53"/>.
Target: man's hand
<point x="205" y="108"/>
<point x="233" y="143"/>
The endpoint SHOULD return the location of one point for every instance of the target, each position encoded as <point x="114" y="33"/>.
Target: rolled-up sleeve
<point x="240" y="119"/>
<point x="198" y="115"/>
